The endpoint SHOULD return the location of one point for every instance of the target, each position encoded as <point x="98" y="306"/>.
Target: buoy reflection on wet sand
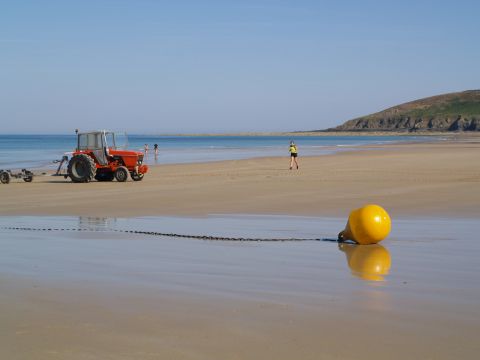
<point x="370" y="262"/>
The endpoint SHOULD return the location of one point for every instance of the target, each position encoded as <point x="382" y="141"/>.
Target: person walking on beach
<point x="155" y="149"/>
<point x="293" y="154"/>
<point x="145" y="149"/>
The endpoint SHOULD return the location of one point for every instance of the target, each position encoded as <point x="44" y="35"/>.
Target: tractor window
<point x="90" y="141"/>
<point x="110" y="141"/>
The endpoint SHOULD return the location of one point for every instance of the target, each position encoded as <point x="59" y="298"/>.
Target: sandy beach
<point x="437" y="178"/>
<point x="100" y="294"/>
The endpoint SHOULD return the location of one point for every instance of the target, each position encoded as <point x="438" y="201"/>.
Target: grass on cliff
<point x="452" y="108"/>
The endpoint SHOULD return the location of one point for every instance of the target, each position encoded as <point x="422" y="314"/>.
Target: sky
<point x="216" y="66"/>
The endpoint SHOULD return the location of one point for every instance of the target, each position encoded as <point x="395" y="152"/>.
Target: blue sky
<point x="152" y="66"/>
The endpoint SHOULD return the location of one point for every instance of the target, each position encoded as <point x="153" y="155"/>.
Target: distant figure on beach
<point x="293" y="154"/>
<point x="155" y="149"/>
<point x="145" y="149"/>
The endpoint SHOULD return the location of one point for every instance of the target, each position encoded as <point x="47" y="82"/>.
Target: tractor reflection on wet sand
<point x="98" y="156"/>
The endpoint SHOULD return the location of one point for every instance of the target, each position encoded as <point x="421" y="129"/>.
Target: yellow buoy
<point x="367" y="225"/>
<point x="370" y="262"/>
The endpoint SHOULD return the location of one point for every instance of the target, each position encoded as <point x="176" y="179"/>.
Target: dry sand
<point x="439" y="178"/>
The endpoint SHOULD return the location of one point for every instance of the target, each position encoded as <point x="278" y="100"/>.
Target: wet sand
<point x="105" y="295"/>
<point x="407" y="179"/>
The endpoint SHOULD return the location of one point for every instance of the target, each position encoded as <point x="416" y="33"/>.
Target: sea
<point x="41" y="151"/>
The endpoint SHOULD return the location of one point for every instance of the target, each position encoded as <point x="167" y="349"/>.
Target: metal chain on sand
<point x="174" y="235"/>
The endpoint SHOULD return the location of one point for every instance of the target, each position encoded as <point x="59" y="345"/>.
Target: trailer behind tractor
<point x="7" y="175"/>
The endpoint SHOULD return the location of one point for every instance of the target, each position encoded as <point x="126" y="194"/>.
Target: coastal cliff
<point x="458" y="111"/>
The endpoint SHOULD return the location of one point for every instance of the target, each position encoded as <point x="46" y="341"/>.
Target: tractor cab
<point x="99" y="139"/>
<point x="101" y="143"/>
<point x="102" y="155"/>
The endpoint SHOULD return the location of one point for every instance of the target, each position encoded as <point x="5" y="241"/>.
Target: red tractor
<point x="99" y="157"/>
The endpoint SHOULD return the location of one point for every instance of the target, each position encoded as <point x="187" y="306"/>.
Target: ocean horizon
<point x="40" y="151"/>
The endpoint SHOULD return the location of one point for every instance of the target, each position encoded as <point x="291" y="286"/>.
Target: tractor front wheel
<point x="137" y="176"/>
<point x="81" y="168"/>
<point x="121" y="174"/>
<point x="4" y="177"/>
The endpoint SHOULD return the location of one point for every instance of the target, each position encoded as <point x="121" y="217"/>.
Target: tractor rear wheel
<point x="121" y="174"/>
<point x="81" y="168"/>
<point x="136" y="176"/>
<point x="4" y="177"/>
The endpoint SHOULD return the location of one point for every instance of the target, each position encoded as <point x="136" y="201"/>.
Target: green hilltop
<point x="458" y="111"/>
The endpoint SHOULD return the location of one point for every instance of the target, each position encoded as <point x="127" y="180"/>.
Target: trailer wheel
<point x="27" y="175"/>
<point x="121" y="174"/>
<point x="81" y="168"/>
<point x="136" y="176"/>
<point x="4" y="177"/>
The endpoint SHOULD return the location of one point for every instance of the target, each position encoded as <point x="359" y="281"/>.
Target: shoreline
<point x="187" y="149"/>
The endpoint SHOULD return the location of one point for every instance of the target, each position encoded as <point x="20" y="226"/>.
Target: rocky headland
<point x="458" y="111"/>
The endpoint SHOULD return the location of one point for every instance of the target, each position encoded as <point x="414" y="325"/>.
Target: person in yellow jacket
<point x="293" y="154"/>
